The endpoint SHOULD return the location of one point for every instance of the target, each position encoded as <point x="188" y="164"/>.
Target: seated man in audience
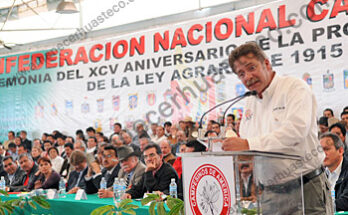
<point x="80" y="145"/>
<point x="14" y="176"/>
<point x="127" y="140"/>
<point x="337" y="168"/>
<point x="21" y="149"/>
<point x="92" y="145"/>
<point x="344" y="118"/>
<point x="159" y="135"/>
<point x="168" y="157"/>
<point x="323" y="125"/>
<point x="12" y="151"/>
<point x="76" y="179"/>
<point x="157" y="175"/>
<point x="11" y="136"/>
<point x="131" y="169"/>
<point x="109" y="172"/>
<point x="339" y="130"/>
<point x="28" y="165"/>
<point x="66" y="167"/>
<point x="181" y="140"/>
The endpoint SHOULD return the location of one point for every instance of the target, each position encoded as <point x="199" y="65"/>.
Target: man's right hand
<point x="126" y="196"/>
<point x="95" y="167"/>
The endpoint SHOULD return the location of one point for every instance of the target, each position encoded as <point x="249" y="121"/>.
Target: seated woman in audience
<point x="56" y="160"/>
<point x="36" y="153"/>
<point x="45" y="177"/>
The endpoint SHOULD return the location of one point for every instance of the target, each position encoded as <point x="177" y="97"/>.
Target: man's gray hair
<point x="336" y="139"/>
<point x="25" y="155"/>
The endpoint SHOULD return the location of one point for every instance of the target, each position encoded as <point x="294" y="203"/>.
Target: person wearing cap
<point x="131" y="168"/>
<point x="189" y="127"/>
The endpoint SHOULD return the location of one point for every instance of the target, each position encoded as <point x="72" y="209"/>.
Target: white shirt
<point x="284" y="121"/>
<point x="57" y="163"/>
<point x="160" y="139"/>
<point x="333" y="176"/>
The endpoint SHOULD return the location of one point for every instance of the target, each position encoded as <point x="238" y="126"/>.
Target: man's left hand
<point x="235" y="144"/>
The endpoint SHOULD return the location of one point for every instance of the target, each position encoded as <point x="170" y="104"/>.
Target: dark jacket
<point x="31" y="176"/>
<point x="27" y="144"/>
<point x="74" y="176"/>
<point x="17" y="180"/>
<point x="66" y="167"/>
<point x="93" y="185"/>
<point x="158" y="182"/>
<point x="51" y="183"/>
<point x="341" y="188"/>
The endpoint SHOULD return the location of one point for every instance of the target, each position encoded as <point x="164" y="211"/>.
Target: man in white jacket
<point x="280" y="118"/>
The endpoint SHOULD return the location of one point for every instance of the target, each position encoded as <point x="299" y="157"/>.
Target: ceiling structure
<point x="25" y="22"/>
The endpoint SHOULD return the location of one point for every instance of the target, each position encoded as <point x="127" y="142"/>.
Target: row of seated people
<point x="145" y="172"/>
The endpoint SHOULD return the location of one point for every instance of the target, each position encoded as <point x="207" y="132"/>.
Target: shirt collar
<point x="269" y="91"/>
<point x="111" y="170"/>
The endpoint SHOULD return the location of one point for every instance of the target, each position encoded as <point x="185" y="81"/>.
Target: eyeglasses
<point x="107" y="156"/>
<point x="149" y="156"/>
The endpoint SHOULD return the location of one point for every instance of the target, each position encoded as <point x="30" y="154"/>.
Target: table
<point x="68" y="205"/>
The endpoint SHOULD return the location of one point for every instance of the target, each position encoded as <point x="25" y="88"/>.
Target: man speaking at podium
<point x="280" y="118"/>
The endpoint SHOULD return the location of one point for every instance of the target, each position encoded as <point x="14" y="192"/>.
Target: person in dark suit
<point x="28" y="165"/>
<point x="109" y="172"/>
<point x="157" y="175"/>
<point x="25" y="141"/>
<point x="14" y="176"/>
<point x="76" y="179"/>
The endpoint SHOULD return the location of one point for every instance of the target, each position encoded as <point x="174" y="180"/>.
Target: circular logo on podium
<point x="209" y="191"/>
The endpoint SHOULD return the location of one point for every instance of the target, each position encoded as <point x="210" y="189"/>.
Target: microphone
<point x="234" y="101"/>
<point x="249" y="93"/>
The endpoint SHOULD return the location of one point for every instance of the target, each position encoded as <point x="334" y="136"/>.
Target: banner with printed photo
<point x="171" y="71"/>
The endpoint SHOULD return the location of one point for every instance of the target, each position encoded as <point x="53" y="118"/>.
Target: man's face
<point x="255" y="75"/>
<point x="337" y="130"/>
<point x="117" y="128"/>
<point x="333" y="155"/>
<point x="10" y="136"/>
<point x="229" y="120"/>
<point x="91" y="143"/>
<point x="26" y="164"/>
<point x="116" y="141"/>
<point x="143" y="143"/>
<point x="21" y="150"/>
<point x="153" y="128"/>
<point x="81" y="166"/>
<point x="140" y="128"/>
<point x="68" y="151"/>
<point x="128" y="164"/>
<point x="151" y="156"/>
<point x="60" y="141"/>
<point x="216" y="128"/>
<point x="53" y="153"/>
<point x="109" y="159"/>
<point x="167" y="127"/>
<point x="165" y="148"/>
<point x="23" y="135"/>
<point x="328" y="114"/>
<point x="10" y="166"/>
<point x="181" y="136"/>
<point x="159" y="131"/>
<point x="90" y="133"/>
<point x="189" y="149"/>
<point x="78" y="146"/>
<point x="17" y="141"/>
<point x="323" y="128"/>
<point x="345" y="119"/>
<point x="47" y="146"/>
<point x="127" y="139"/>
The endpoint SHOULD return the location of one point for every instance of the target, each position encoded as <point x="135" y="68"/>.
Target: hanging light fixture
<point x="66" y="7"/>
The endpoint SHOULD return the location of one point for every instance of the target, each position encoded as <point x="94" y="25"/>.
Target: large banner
<point x="172" y="71"/>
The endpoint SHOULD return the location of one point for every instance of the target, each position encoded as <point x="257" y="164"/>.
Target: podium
<point x="246" y="182"/>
